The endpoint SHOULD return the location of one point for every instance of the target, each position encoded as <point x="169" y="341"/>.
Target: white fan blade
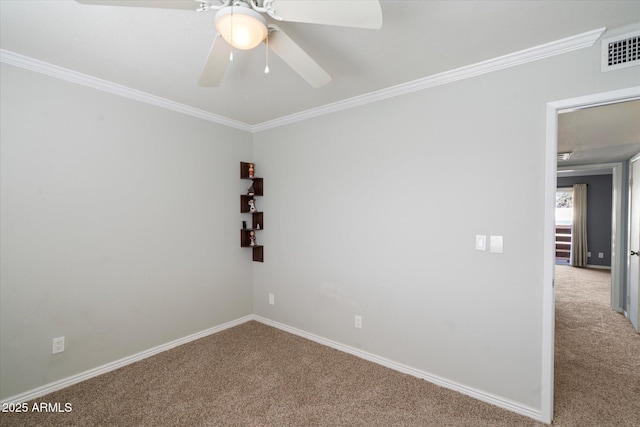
<point x="216" y="63"/>
<point x="164" y="4"/>
<point x="298" y="59"/>
<point x="345" y="13"/>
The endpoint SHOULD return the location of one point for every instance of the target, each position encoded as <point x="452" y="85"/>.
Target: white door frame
<point x="628" y="311"/>
<point x="550" y="181"/>
<point x="618" y="253"/>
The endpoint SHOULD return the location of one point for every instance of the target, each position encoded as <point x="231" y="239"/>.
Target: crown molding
<point x="21" y="61"/>
<point x="557" y="47"/>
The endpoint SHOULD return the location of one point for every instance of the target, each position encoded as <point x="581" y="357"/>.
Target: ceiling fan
<point x="241" y="24"/>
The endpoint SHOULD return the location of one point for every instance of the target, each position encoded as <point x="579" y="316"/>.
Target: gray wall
<point x="599" y="205"/>
<point x="374" y="211"/>
<point x="119" y="227"/>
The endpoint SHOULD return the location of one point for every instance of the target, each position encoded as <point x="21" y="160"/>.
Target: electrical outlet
<point x="600" y="255"/>
<point x="58" y="345"/>
<point x="272" y="299"/>
<point x="358" y="321"/>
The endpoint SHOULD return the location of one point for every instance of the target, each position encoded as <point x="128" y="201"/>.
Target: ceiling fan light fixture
<point x="242" y="27"/>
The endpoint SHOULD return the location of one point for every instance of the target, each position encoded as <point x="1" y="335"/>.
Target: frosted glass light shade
<point x="241" y="27"/>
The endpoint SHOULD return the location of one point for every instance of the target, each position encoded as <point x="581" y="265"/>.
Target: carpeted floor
<point x="597" y="354"/>
<point x="255" y="375"/>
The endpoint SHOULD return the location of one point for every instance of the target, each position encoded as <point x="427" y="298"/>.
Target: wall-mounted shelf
<point x="257" y="217"/>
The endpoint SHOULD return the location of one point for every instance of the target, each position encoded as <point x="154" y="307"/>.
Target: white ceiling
<point x="161" y="51"/>
<point x="604" y="134"/>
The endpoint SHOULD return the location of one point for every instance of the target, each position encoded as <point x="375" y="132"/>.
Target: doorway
<point x="548" y="306"/>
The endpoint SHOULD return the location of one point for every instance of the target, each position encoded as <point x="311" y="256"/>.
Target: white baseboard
<point x="483" y="396"/>
<point x="600" y="267"/>
<point x="469" y="391"/>
<point x="74" y="379"/>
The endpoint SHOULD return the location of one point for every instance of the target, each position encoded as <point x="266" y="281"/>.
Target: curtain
<point x="579" y="233"/>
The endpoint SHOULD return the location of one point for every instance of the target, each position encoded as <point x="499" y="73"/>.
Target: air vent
<point x="621" y="51"/>
<point x="563" y="157"/>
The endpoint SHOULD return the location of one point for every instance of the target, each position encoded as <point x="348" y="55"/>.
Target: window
<point x="564" y="221"/>
<point x="564" y="206"/>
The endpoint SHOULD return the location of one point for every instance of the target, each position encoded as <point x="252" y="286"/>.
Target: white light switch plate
<point x="496" y="244"/>
<point x="481" y="242"/>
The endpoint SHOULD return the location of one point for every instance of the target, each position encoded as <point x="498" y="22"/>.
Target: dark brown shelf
<point x="244" y="169"/>
<point x="258" y="253"/>
<point x="257" y="218"/>
<point x="258" y="183"/>
<point x="258" y="250"/>
<point x="244" y="203"/>
<point x="244" y="236"/>
<point x="258" y="186"/>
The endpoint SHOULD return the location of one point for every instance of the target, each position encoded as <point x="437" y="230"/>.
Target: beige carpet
<point x="597" y="354"/>
<point x="255" y="375"/>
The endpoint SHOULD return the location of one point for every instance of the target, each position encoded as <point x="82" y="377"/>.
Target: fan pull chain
<point x="266" y="69"/>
